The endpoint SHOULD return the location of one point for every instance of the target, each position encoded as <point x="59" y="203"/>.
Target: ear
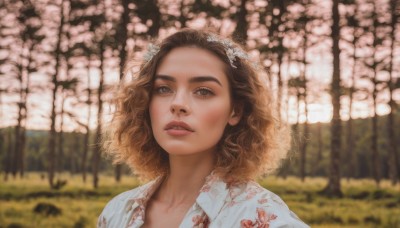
<point x="236" y="115"/>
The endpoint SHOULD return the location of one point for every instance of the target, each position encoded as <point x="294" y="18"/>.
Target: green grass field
<point x="364" y="205"/>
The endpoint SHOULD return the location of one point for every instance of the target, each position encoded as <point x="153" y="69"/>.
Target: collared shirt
<point x="218" y="205"/>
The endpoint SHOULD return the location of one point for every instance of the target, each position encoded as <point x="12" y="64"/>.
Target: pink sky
<point x="319" y="73"/>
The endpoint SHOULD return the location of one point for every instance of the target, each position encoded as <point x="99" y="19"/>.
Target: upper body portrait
<point x="199" y="123"/>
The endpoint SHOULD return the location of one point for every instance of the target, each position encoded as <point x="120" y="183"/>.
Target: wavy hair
<point x="254" y="146"/>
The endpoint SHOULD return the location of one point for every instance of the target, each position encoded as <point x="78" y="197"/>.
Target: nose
<point x="179" y="105"/>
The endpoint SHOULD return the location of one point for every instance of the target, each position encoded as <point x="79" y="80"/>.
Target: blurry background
<point x="333" y="66"/>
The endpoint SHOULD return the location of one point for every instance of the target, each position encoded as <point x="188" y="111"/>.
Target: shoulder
<point x="118" y="206"/>
<point x="121" y="199"/>
<point x="256" y="206"/>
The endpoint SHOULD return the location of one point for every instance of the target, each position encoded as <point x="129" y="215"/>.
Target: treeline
<point x="68" y="159"/>
<point x="58" y="58"/>
<point x="360" y="166"/>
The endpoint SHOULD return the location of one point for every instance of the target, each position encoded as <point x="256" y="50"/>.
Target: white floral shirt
<point x="218" y="205"/>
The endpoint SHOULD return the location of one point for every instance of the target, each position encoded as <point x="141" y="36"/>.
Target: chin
<point x="178" y="150"/>
<point x="185" y="150"/>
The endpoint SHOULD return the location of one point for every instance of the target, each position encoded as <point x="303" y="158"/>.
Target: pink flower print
<point x="251" y="193"/>
<point x="102" y="222"/>
<point x="262" y="215"/>
<point x="262" y="201"/>
<point x="246" y="223"/>
<point x="200" y="221"/>
<point x="137" y="213"/>
<point x="210" y="180"/>
<point x="262" y="220"/>
<point x="205" y="188"/>
<point x="197" y="220"/>
<point x="233" y="193"/>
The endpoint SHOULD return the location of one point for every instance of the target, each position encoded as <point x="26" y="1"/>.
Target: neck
<point x="187" y="175"/>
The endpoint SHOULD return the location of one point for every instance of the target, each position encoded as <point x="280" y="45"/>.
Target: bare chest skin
<point x="159" y="214"/>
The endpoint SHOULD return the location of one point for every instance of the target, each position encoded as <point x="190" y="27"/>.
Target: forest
<point x="333" y="65"/>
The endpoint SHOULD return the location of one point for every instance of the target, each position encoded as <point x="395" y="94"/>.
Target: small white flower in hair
<point x="152" y="50"/>
<point x="231" y="50"/>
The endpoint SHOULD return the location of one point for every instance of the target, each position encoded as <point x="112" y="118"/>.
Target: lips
<point x="178" y="125"/>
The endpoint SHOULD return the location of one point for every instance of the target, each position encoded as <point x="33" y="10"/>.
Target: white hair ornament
<point x="231" y="50"/>
<point x="152" y="50"/>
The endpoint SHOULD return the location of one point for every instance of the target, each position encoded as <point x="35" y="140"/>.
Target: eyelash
<point x="209" y="92"/>
<point x="157" y="89"/>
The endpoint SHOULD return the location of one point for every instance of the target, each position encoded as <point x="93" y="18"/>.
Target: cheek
<point x="154" y="110"/>
<point x="216" y="115"/>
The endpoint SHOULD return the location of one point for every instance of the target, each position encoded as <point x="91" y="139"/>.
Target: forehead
<point x="186" y="62"/>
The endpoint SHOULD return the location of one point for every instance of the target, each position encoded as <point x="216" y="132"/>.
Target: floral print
<point x="138" y="213"/>
<point x="200" y="221"/>
<point x="240" y="205"/>
<point x="262" y="201"/>
<point x="252" y="191"/>
<point x="210" y="180"/>
<point x="101" y="222"/>
<point x="262" y="221"/>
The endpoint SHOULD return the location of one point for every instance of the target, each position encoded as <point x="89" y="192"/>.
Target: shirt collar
<point x="143" y="194"/>
<point x="211" y="197"/>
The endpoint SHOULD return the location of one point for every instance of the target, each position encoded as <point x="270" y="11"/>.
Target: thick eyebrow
<point x="191" y="80"/>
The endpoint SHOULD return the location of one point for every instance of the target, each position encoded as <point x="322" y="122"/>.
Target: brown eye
<point x="204" y="92"/>
<point x="163" y="90"/>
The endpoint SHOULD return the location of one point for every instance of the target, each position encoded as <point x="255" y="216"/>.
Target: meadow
<point x="29" y="202"/>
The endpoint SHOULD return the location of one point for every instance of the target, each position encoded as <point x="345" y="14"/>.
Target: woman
<point x="199" y="123"/>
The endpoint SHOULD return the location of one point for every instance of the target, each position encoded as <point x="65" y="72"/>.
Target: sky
<point x="319" y="72"/>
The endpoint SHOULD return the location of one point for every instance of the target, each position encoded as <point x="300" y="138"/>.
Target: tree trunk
<point x="74" y="163"/>
<point x="123" y="37"/>
<point x="18" y="165"/>
<point x="9" y="150"/>
<point x="60" y="154"/>
<point x="15" y="168"/>
<point x="155" y="18"/>
<point x="318" y="158"/>
<point x="2" y="141"/>
<point x="3" y="128"/>
<point x="374" y="142"/>
<point x="296" y="128"/>
<point x="374" y="136"/>
<point x="22" y="151"/>
<point x="391" y="124"/>
<point x="183" y="18"/>
<point x="280" y="53"/>
<point x="25" y="114"/>
<point x="304" y="152"/>
<point x="52" y="132"/>
<point x="240" y="33"/>
<point x="304" y="142"/>
<point x="333" y="187"/>
<point x="351" y="165"/>
<point x="86" y="138"/>
<point x="97" y="147"/>
<point x="289" y="63"/>
<point x="17" y="143"/>
<point x="350" y="168"/>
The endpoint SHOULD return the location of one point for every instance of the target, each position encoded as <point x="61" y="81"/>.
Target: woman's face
<point x="190" y="105"/>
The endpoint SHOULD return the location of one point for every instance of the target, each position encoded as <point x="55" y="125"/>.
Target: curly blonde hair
<point x="254" y="146"/>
